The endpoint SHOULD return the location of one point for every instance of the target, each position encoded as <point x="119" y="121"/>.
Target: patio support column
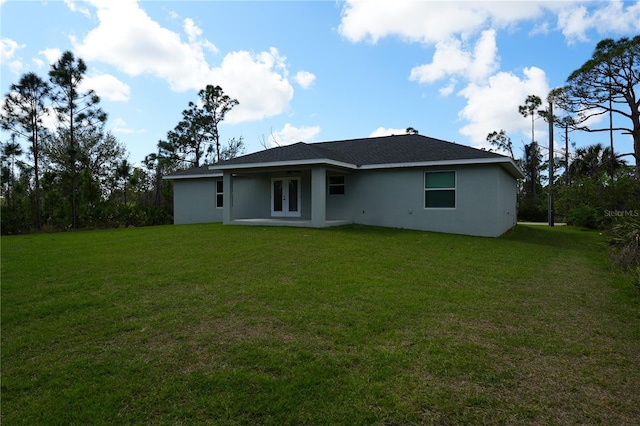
<point x="318" y="197"/>
<point x="227" y="195"/>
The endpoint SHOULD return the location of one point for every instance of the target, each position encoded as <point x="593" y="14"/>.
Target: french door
<point x="285" y="197"/>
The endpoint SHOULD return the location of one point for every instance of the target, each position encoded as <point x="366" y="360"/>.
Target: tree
<point x="191" y="140"/>
<point x="10" y="151"/>
<point x="123" y="174"/>
<point x="532" y="151"/>
<point x="161" y="163"/>
<point x="530" y="109"/>
<point x="233" y="148"/>
<point x="501" y="141"/>
<point x="566" y="123"/>
<point x="22" y="114"/>
<point x="215" y="106"/>
<point x="593" y="161"/>
<point x="197" y="134"/>
<point x="607" y="84"/>
<point x="532" y="164"/>
<point x="75" y="110"/>
<point x="412" y="131"/>
<point x="97" y="155"/>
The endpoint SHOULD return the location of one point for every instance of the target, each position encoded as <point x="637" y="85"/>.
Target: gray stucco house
<point x="403" y="181"/>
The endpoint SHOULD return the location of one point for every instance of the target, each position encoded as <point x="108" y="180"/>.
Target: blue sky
<point x="317" y="70"/>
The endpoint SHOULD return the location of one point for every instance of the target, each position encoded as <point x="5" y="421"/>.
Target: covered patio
<point x="298" y="196"/>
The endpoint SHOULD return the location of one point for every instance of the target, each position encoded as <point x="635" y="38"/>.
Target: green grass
<point x="211" y="324"/>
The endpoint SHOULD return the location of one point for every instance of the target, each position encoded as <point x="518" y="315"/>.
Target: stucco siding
<point x="341" y="206"/>
<point x="485" y="199"/>
<point x="251" y="196"/>
<point x="395" y="198"/>
<point x="507" y="202"/>
<point x="194" y="201"/>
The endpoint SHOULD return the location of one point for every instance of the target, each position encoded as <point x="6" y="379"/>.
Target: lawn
<point x="230" y="325"/>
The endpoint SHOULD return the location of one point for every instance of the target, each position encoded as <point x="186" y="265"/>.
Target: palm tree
<point x="593" y="161"/>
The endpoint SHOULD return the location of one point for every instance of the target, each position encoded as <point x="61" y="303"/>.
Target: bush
<point x="625" y="246"/>
<point x="532" y="212"/>
<point x="584" y="216"/>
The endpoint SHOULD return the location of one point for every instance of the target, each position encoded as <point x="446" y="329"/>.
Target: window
<point x="440" y="190"/>
<point x="219" y="196"/>
<point x="336" y="185"/>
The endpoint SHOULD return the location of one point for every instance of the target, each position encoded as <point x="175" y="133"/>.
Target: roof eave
<point x="194" y="176"/>
<point x="505" y="162"/>
<point x="216" y="171"/>
<point x="289" y="163"/>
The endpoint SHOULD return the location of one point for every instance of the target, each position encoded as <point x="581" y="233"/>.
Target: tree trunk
<point x="635" y="117"/>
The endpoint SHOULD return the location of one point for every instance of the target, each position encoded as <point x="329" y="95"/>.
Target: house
<point x="402" y="181"/>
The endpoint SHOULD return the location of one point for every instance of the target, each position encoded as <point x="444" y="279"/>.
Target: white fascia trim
<point x="506" y="161"/>
<point x="197" y="176"/>
<point x="291" y="163"/>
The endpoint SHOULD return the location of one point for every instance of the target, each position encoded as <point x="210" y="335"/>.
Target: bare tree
<point x="607" y="84"/>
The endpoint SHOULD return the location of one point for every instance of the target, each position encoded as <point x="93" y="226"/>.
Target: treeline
<point x="592" y="186"/>
<point x="61" y="170"/>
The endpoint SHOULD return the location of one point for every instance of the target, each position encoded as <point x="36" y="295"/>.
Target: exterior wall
<point x="395" y="198"/>
<point x="485" y="199"/>
<point x="251" y="196"/>
<point x="507" y="202"/>
<point x="341" y="206"/>
<point x="194" y="201"/>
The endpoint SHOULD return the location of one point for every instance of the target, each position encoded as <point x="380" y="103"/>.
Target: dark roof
<point x="196" y="171"/>
<point x="369" y="151"/>
<point x="396" y="149"/>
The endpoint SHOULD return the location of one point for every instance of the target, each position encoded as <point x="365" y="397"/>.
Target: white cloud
<point x="120" y="126"/>
<point x="448" y="89"/>
<point x="257" y="81"/>
<point x="494" y="105"/>
<point x="291" y="134"/>
<point x="576" y="20"/>
<point x="127" y="38"/>
<point x="464" y="36"/>
<point x="51" y="54"/>
<point x="451" y="58"/>
<point x="107" y="86"/>
<point x="430" y="21"/>
<point x="191" y="29"/>
<point x="384" y="131"/>
<point x="194" y="32"/>
<point x="38" y="62"/>
<point x="73" y="6"/>
<point x="8" y="49"/>
<point x="304" y="78"/>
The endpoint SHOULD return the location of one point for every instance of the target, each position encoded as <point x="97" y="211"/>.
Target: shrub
<point x="625" y="246"/>
<point x="584" y="216"/>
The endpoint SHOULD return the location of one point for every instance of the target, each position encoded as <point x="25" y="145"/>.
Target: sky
<point x="316" y="71"/>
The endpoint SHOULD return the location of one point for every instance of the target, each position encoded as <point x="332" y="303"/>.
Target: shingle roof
<point x="396" y="149"/>
<point x="368" y="151"/>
